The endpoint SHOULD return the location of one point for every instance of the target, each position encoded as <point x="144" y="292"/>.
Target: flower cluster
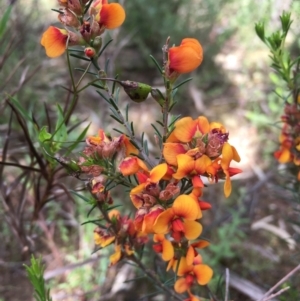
<point x="86" y="31"/>
<point x="289" y="150"/>
<point x="167" y="197"/>
<point x="166" y="194"/>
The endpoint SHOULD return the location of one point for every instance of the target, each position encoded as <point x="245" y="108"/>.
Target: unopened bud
<point x="138" y="92"/>
<point x="89" y="52"/>
<point x="158" y="97"/>
<point x="97" y="43"/>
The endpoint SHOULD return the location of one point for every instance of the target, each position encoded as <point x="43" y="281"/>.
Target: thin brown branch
<point x="8" y="78"/>
<point x="28" y="139"/>
<point x="20" y="166"/>
<point x="277" y="294"/>
<point x="284" y="279"/>
<point x="5" y="147"/>
<point x="49" y="239"/>
<point x="8" y="50"/>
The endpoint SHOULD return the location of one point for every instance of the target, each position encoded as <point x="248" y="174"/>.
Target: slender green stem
<point x="82" y="76"/>
<point x="70" y="68"/>
<point x="165" y="114"/>
<point x="87" y="85"/>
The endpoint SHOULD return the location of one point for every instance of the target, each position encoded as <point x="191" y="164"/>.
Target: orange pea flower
<point x="107" y="147"/>
<point x="119" y="253"/>
<point x="112" y="15"/>
<point x="148" y="178"/>
<point x="187" y="138"/>
<point x="229" y="153"/>
<point x="180" y="219"/>
<point x="108" y="15"/>
<point x="163" y="246"/>
<point x="284" y="155"/>
<point x="54" y="40"/>
<point x="131" y="165"/>
<point x="192" y="256"/>
<point x="97" y="140"/>
<point x="200" y="273"/>
<point x="188" y="166"/>
<point x="199" y="148"/>
<point x="145" y="218"/>
<point x="186" y="57"/>
<point x="134" y="165"/>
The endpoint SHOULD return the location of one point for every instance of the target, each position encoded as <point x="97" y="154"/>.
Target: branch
<point x="285" y="278"/>
<point x="277" y="294"/>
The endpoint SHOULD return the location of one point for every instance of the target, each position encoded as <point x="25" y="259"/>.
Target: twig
<point x="227" y="284"/>
<point x="277" y="294"/>
<point x="291" y="273"/>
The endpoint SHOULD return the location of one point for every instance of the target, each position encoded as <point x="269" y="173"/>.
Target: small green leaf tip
<point x="285" y="22"/>
<point x="260" y="30"/>
<point x="138" y="92"/>
<point x="275" y="40"/>
<point x="157" y="95"/>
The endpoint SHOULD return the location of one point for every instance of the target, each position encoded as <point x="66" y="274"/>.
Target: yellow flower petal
<point x="190" y="255"/>
<point x="54" y="40"/>
<point x="171" y="150"/>
<point x="181" y="286"/>
<point x="201" y="164"/>
<point x="185" y="129"/>
<point x="114" y="258"/>
<point x="192" y="229"/>
<point x="186" y="165"/>
<point x="203" y="273"/>
<point x="161" y="225"/>
<point x="158" y="172"/>
<point x="112" y="15"/>
<point x="168" y="250"/>
<point x="185" y="206"/>
<point x="138" y="189"/>
<point x="203" y="124"/>
<point x="186" y="57"/>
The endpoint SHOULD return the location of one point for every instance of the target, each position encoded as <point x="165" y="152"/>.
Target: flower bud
<point x="157" y="96"/>
<point x="138" y="92"/>
<point x="97" y="43"/>
<point x="90" y="52"/>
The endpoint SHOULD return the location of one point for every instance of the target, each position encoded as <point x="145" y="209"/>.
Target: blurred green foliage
<point x="35" y="274"/>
